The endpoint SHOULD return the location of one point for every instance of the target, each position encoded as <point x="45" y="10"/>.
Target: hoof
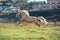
<point x="39" y="25"/>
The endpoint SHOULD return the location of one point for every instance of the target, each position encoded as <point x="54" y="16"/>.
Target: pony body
<point x="26" y="18"/>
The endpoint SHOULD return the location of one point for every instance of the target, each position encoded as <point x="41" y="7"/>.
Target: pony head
<point x="20" y="11"/>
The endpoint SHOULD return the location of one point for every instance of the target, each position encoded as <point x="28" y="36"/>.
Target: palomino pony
<point x="26" y="18"/>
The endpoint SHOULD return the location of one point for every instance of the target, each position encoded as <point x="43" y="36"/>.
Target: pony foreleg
<point x="17" y="24"/>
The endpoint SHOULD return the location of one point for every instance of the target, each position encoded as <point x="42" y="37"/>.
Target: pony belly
<point x="28" y="20"/>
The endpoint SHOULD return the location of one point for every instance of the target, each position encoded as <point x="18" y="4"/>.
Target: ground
<point x="28" y="32"/>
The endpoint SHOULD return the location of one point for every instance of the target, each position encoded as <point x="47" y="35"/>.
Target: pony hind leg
<point x="37" y="23"/>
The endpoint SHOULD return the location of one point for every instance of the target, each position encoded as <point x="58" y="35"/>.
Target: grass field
<point x="12" y="32"/>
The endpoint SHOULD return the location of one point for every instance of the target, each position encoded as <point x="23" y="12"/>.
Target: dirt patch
<point x="53" y="23"/>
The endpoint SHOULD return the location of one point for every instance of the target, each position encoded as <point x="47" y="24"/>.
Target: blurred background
<point x="50" y="9"/>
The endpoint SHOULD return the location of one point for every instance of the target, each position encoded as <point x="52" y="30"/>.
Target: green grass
<point x="12" y="32"/>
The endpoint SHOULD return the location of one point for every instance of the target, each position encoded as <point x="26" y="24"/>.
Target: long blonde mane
<point x="26" y="12"/>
